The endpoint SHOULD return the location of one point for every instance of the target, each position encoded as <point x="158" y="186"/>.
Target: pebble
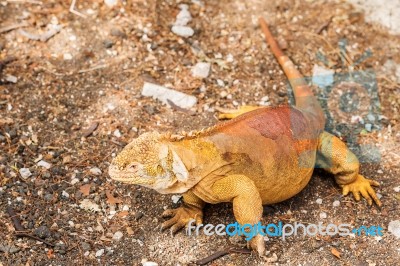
<point x="117" y="133"/>
<point x="368" y="127"/>
<point x="11" y="78"/>
<point x="201" y="70"/>
<point x="183" y="31"/>
<point x="74" y="181"/>
<point x="25" y="173"/>
<point x="397" y="189"/>
<point x="85" y="246"/>
<point x="44" y="164"/>
<point x="163" y="94"/>
<point x="67" y="56"/>
<point x="111" y="3"/>
<point x="184" y="16"/>
<point x="321" y="76"/>
<point x="336" y="203"/>
<point x="394" y="228"/>
<point x="99" y="252"/>
<point x="220" y="82"/>
<point x="108" y="44"/>
<point x="319" y="201"/>
<point x="95" y="171"/>
<point x="371" y="117"/>
<point x="323" y="215"/>
<point x="65" y="194"/>
<point x="138" y="215"/>
<point x="176" y="198"/>
<point x="42" y="231"/>
<point x="117" y="33"/>
<point x="379" y="195"/>
<point x="48" y="197"/>
<point x="117" y="236"/>
<point x="148" y="263"/>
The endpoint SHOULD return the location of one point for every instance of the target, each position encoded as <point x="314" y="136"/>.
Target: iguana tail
<point x="305" y="99"/>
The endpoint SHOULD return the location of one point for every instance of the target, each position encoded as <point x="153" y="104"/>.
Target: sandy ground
<point x="90" y="76"/>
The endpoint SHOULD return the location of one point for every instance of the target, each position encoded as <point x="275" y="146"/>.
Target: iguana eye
<point x="132" y="166"/>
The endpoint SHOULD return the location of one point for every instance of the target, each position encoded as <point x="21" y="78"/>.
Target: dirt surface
<point x="74" y="101"/>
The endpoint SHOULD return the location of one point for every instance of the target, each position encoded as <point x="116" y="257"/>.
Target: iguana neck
<point x="201" y="159"/>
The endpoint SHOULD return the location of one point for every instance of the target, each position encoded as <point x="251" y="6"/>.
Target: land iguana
<point x="263" y="156"/>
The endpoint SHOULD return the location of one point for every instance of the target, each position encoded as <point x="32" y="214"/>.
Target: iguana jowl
<point x="261" y="157"/>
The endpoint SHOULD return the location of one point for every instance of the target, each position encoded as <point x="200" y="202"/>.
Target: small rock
<point x="48" y="197"/>
<point x="368" y="127"/>
<point x="397" y="189"/>
<point x="321" y="76"/>
<point x="176" y="198"/>
<point x="379" y="195"/>
<point x="148" y="263"/>
<point x="67" y="159"/>
<point x="220" y="82"/>
<point x="323" y="215"/>
<point x="11" y="78"/>
<point x="117" y="236"/>
<point x="14" y="249"/>
<point x="394" y="228"/>
<point x="117" y="33"/>
<point x="336" y="203"/>
<point x="117" y="133"/>
<point x="273" y="258"/>
<point x="319" y="201"/>
<point x="44" y="164"/>
<point x="138" y="215"/>
<point x="111" y="3"/>
<point x="184" y="16"/>
<point x="67" y="56"/>
<point x="25" y="173"/>
<point x="201" y="70"/>
<point x="99" y="252"/>
<point x="95" y="171"/>
<point x="42" y="231"/>
<point x="371" y="117"/>
<point x="108" y="44"/>
<point x="85" y="246"/>
<point x="65" y="194"/>
<point x="183" y="31"/>
<point x="164" y="95"/>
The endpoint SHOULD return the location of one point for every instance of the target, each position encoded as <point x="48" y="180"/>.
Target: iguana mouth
<point x="127" y="177"/>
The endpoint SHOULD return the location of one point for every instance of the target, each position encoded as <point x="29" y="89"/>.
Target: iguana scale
<point x="263" y="156"/>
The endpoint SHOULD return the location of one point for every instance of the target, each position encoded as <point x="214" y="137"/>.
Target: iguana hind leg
<point x="336" y="158"/>
<point x="232" y="113"/>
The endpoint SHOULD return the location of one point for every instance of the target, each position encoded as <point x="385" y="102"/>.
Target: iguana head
<point x="150" y="162"/>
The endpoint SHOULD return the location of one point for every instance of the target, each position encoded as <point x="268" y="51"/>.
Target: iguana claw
<point x="362" y="186"/>
<point x="180" y="218"/>
<point x="257" y="244"/>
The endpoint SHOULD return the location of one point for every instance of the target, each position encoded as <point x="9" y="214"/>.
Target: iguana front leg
<point x="192" y="208"/>
<point x="247" y="204"/>
<point x="336" y="158"/>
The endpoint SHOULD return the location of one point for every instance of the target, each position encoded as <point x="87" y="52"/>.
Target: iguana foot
<point x="229" y="114"/>
<point x="362" y="186"/>
<point x="257" y="244"/>
<point x="181" y="217"/>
